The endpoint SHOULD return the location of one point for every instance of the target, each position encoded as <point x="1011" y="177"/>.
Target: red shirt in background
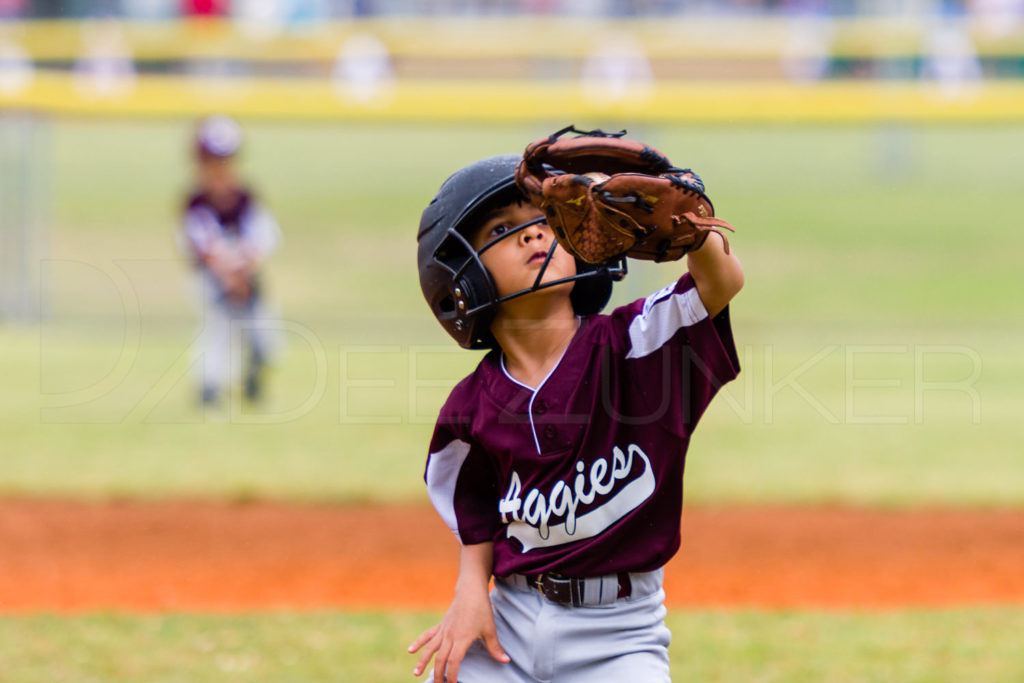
<point x="204" y="7"/>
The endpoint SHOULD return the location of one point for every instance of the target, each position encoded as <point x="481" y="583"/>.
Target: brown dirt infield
<point x="188" y="555"/>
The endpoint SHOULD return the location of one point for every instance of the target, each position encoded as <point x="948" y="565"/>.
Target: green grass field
<point x="878" y="329"/>
<point x="879" y="332"/>
<point x="785" y="647"/>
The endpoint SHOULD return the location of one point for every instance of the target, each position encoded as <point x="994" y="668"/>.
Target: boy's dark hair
<point x="455" y="283"/>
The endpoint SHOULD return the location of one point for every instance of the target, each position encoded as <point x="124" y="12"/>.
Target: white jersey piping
<point x="534" y="392"/>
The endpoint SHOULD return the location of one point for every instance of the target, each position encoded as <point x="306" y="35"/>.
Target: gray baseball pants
<point x="623" y="642"/>
<point x="223" y="325"/>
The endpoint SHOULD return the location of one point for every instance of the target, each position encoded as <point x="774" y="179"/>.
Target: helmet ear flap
<point x="472" y="292"/>
<point x="440" y="256"/>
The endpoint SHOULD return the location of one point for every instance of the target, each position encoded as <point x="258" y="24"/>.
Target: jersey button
<point x="550" y="432"/>
<point x="540" y="407"/>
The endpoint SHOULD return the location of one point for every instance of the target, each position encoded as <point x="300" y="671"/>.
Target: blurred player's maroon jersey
<point x="246" y="222"/>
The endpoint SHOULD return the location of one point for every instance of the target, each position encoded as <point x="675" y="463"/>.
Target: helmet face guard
<point x="458" y="288"/>
<point x="470" y="303"/>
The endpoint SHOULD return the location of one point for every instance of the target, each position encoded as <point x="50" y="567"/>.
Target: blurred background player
<point x="229" y="234"/>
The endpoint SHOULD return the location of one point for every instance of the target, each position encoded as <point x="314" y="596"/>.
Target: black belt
<point x="568" y="591"/>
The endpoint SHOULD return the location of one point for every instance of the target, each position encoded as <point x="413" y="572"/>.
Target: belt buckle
<point x="559" y="589"/>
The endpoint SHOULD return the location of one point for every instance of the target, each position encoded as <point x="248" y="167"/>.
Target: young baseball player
<point x="228" y="234"/>
<point x="558" y="463"/>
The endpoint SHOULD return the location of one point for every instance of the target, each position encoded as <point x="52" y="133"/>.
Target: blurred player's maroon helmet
<point x="455" y="283"/>
<point x="218" y="136"/>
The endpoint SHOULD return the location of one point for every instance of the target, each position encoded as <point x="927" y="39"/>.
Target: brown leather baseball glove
<point x="605" y="196"/>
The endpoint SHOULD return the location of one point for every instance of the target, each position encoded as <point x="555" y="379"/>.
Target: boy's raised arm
<point x="718" y="275"/>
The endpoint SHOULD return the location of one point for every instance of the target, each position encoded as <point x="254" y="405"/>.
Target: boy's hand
<point x="469" y="619"/>
<point x="233" y="268"/>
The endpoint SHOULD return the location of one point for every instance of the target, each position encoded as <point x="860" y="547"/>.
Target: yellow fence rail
<point x="522" y="101"/>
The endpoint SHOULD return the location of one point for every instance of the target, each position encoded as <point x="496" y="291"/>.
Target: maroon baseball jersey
<point x="246" y="222"/>
<point x="583" y="475"/>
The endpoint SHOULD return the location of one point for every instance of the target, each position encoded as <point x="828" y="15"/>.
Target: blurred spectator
<point x="617" y="68"/>
<point x="72" y="9"/>
<point x="105" y="68"/>
<point x="12" y="9"/>
<point x="807" y="53"/>
<point x="362" y="69"/>
<point x="951" y="59"/>
<point x="259" y="18"/>
<point x="538" y="6"/>
<point x="44" y="8"/>
<point x="998" y="18"/>
<point x="149" y="9"/>
<point x="16" y="69"/>
<point x="262" y="18"/>
<point x="204" y="7"/>
<point x="307" y="12"/>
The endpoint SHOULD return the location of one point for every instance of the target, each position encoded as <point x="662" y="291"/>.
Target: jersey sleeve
<point x="199" y="231"/>
<point x="678" y="351"/>
<point x="262" y="233"/>
<point x="462" y="484"/>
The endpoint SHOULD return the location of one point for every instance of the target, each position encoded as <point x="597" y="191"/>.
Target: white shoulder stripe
<point x="661" y="319"/>
<point x="442" y="474"/>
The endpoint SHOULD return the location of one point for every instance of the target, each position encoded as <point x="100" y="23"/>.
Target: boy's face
<point x="217" y="175"/>
<point x="515" y="261"/>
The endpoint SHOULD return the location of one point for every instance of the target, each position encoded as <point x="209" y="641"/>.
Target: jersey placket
<point x="536" y="406"/>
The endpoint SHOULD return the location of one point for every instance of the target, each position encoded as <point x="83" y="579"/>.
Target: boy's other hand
<point x="469" y="619"/>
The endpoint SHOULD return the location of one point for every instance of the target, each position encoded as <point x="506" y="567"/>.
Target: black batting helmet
<point x="455" y="283"/>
